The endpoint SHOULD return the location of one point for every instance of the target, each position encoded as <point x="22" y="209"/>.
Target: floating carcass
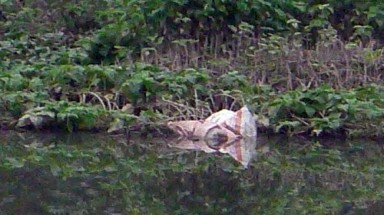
<point x="225" y="131"/>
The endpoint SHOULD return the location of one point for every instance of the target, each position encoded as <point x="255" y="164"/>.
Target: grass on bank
<point x="333" y="89"/>
<point x="48" y="80"/>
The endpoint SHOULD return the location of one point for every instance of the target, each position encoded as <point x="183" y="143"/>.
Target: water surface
<point x="97" y="174"/>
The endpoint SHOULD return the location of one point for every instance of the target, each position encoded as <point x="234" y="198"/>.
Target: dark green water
<point x="96" y="174"/>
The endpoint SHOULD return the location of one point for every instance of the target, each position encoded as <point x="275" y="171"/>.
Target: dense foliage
<point x="305" y="67"/>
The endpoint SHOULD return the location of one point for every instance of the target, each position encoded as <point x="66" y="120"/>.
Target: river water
<point x="82" y="173"/>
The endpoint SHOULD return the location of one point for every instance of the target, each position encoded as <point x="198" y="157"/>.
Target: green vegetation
<point x="311" y="68"/>
<point x="304" y="68"/>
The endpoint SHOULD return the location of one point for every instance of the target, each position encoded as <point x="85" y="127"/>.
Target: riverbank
<point x="306" y="79"/>
<point x="143" y="96"/>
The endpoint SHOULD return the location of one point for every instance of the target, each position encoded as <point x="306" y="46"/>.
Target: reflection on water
<point x="241" y="149"/>
<point x="95" y="174"/>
